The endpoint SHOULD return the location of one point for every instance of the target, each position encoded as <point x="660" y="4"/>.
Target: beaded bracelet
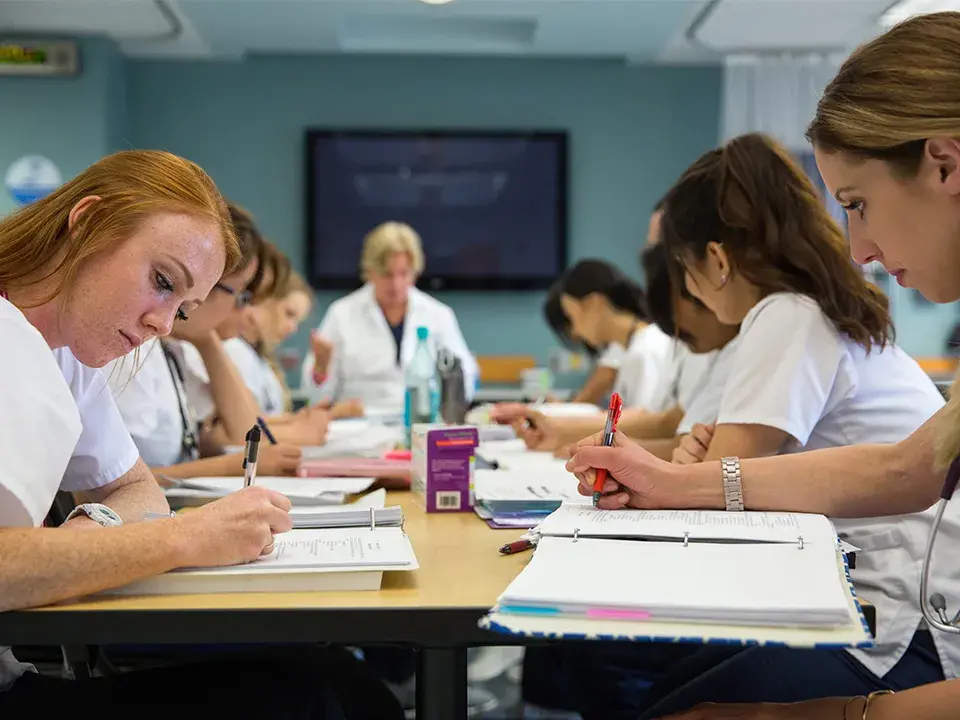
<point x="870" y="697"/>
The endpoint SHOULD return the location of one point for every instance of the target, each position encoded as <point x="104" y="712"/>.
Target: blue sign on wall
<point x="32" y="177"/>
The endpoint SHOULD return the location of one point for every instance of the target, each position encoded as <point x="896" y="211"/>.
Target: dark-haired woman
<point x="594" y="305"/>
<point x="815" y="367"/>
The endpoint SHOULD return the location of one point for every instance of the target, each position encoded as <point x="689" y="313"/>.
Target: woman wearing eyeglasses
<point x="184" y="392"/>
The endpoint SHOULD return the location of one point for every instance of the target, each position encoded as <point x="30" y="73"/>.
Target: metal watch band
<point x="732" y="486"/>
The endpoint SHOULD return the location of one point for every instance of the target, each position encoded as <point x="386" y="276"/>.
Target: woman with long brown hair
<point x="887" y="140"/>
<point x="813" y="367"/>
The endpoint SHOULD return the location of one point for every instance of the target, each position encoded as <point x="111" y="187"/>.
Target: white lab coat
<point x="364" y="364"/>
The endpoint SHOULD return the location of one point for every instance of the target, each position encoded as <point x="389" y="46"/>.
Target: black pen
<point x="266" y="430"/>
<point x="250" y="456"/>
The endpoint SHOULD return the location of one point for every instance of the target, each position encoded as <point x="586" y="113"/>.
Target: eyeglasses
<point x="241" y="298"/>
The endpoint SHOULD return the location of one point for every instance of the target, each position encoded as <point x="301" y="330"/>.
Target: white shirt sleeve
<point x="148" y="402"/>
<point x="39" y="424"/>
<point x="450" y="337"/>
<point x="786" y="363"/>
<point x="105" y="450"/>
<point x="612" y="356"/>
<point x="196" y="382"/>
<point x="247" y="362"/>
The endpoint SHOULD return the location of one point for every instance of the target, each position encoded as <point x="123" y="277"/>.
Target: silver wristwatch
<point x="98" y="513"/>
<point x="732" y="487"/>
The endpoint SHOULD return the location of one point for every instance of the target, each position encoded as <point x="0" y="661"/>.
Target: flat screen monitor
<point x="490" y="207"/>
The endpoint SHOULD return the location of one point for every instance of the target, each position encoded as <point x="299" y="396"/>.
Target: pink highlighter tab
<point x="398" y="455"/>
<point x="602" y="614"/>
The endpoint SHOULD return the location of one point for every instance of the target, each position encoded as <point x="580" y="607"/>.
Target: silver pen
<point x="250" y="454"/>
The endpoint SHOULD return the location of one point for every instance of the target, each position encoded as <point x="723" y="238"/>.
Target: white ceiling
<point x="670" y="31"/>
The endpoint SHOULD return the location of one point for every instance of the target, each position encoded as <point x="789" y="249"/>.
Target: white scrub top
<point x="792" y="370"/>
<point x="647" y="371"/>
<point x="196" y="380"/>
<point x="704" y="404"/>
<point x="364" y="364"/>
<point x="612" y="356"/>
<point x="63" y="433"/>
<point x="258" y="375"/>
<point x="153" y="404"/>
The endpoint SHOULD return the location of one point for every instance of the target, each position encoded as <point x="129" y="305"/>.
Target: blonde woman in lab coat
<point x="367" y="338"/>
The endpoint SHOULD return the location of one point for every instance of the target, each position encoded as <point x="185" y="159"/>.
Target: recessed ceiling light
<point x="436" y="2"/>
<point x="908" y="8"/>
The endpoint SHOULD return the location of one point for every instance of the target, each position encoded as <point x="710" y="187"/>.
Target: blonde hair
<point x="387" y="240"/>
<point x="887" y="99"/>
<point x="131" y="185"/>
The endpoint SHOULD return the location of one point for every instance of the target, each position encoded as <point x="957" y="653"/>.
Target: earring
<point x="723" y="280"/>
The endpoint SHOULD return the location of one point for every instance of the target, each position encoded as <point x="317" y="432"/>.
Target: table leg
<point x="442" y="684"/>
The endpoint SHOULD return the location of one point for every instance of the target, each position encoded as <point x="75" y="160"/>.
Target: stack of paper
<point x="514" y="455"/>
<point x="521" y="498"/>
<point x="302" y="560"/>
<point x="750" y="577"/>
<point x="368" y="511"/>
<point x="313" y="491"/>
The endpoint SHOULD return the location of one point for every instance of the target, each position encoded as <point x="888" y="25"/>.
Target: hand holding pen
<point x="609" y="429"/>
<point x="250" y="453"/>
<point x="632" y="476"/>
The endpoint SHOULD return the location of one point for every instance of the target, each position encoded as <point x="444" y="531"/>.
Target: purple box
<point x="442" y="466"/>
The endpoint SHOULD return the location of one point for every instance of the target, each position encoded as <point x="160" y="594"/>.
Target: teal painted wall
<point x="65" y="119"/>
<point x="632" y="131"/>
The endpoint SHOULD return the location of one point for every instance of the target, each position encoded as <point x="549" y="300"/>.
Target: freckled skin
<point x="119" y="289"/>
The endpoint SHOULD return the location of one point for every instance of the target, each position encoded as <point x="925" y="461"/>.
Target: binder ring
<point x="576" y="534"/>
<point x="686" y="539"/>
<point x="800" y="542"/>
<point x="373" y="519"/>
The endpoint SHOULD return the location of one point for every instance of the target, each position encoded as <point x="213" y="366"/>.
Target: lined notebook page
<point x="579" y="514"/>
<point x="748" y="584"/>
<point x="330" y="548"/>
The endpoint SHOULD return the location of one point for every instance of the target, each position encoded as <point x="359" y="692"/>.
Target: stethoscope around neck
<point x="189" y="444"/>
<point x="934" y="607"/>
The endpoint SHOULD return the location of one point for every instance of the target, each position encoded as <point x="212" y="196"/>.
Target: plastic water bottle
<point x="421" y="393"/>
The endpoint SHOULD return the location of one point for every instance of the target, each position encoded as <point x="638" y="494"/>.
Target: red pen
<point x="613" y="417"/>
<point x="515" y="547"/>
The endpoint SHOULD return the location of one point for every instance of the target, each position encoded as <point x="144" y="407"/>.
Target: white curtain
<point x="774" y="94"/>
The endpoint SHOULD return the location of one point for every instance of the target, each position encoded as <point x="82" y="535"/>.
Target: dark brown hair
<point x="274" y="272"/>
<point x="251" y="244"/>
<point x="752" y="198"/>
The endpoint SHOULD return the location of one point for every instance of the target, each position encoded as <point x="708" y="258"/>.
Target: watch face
<point x="104" y="515"/>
